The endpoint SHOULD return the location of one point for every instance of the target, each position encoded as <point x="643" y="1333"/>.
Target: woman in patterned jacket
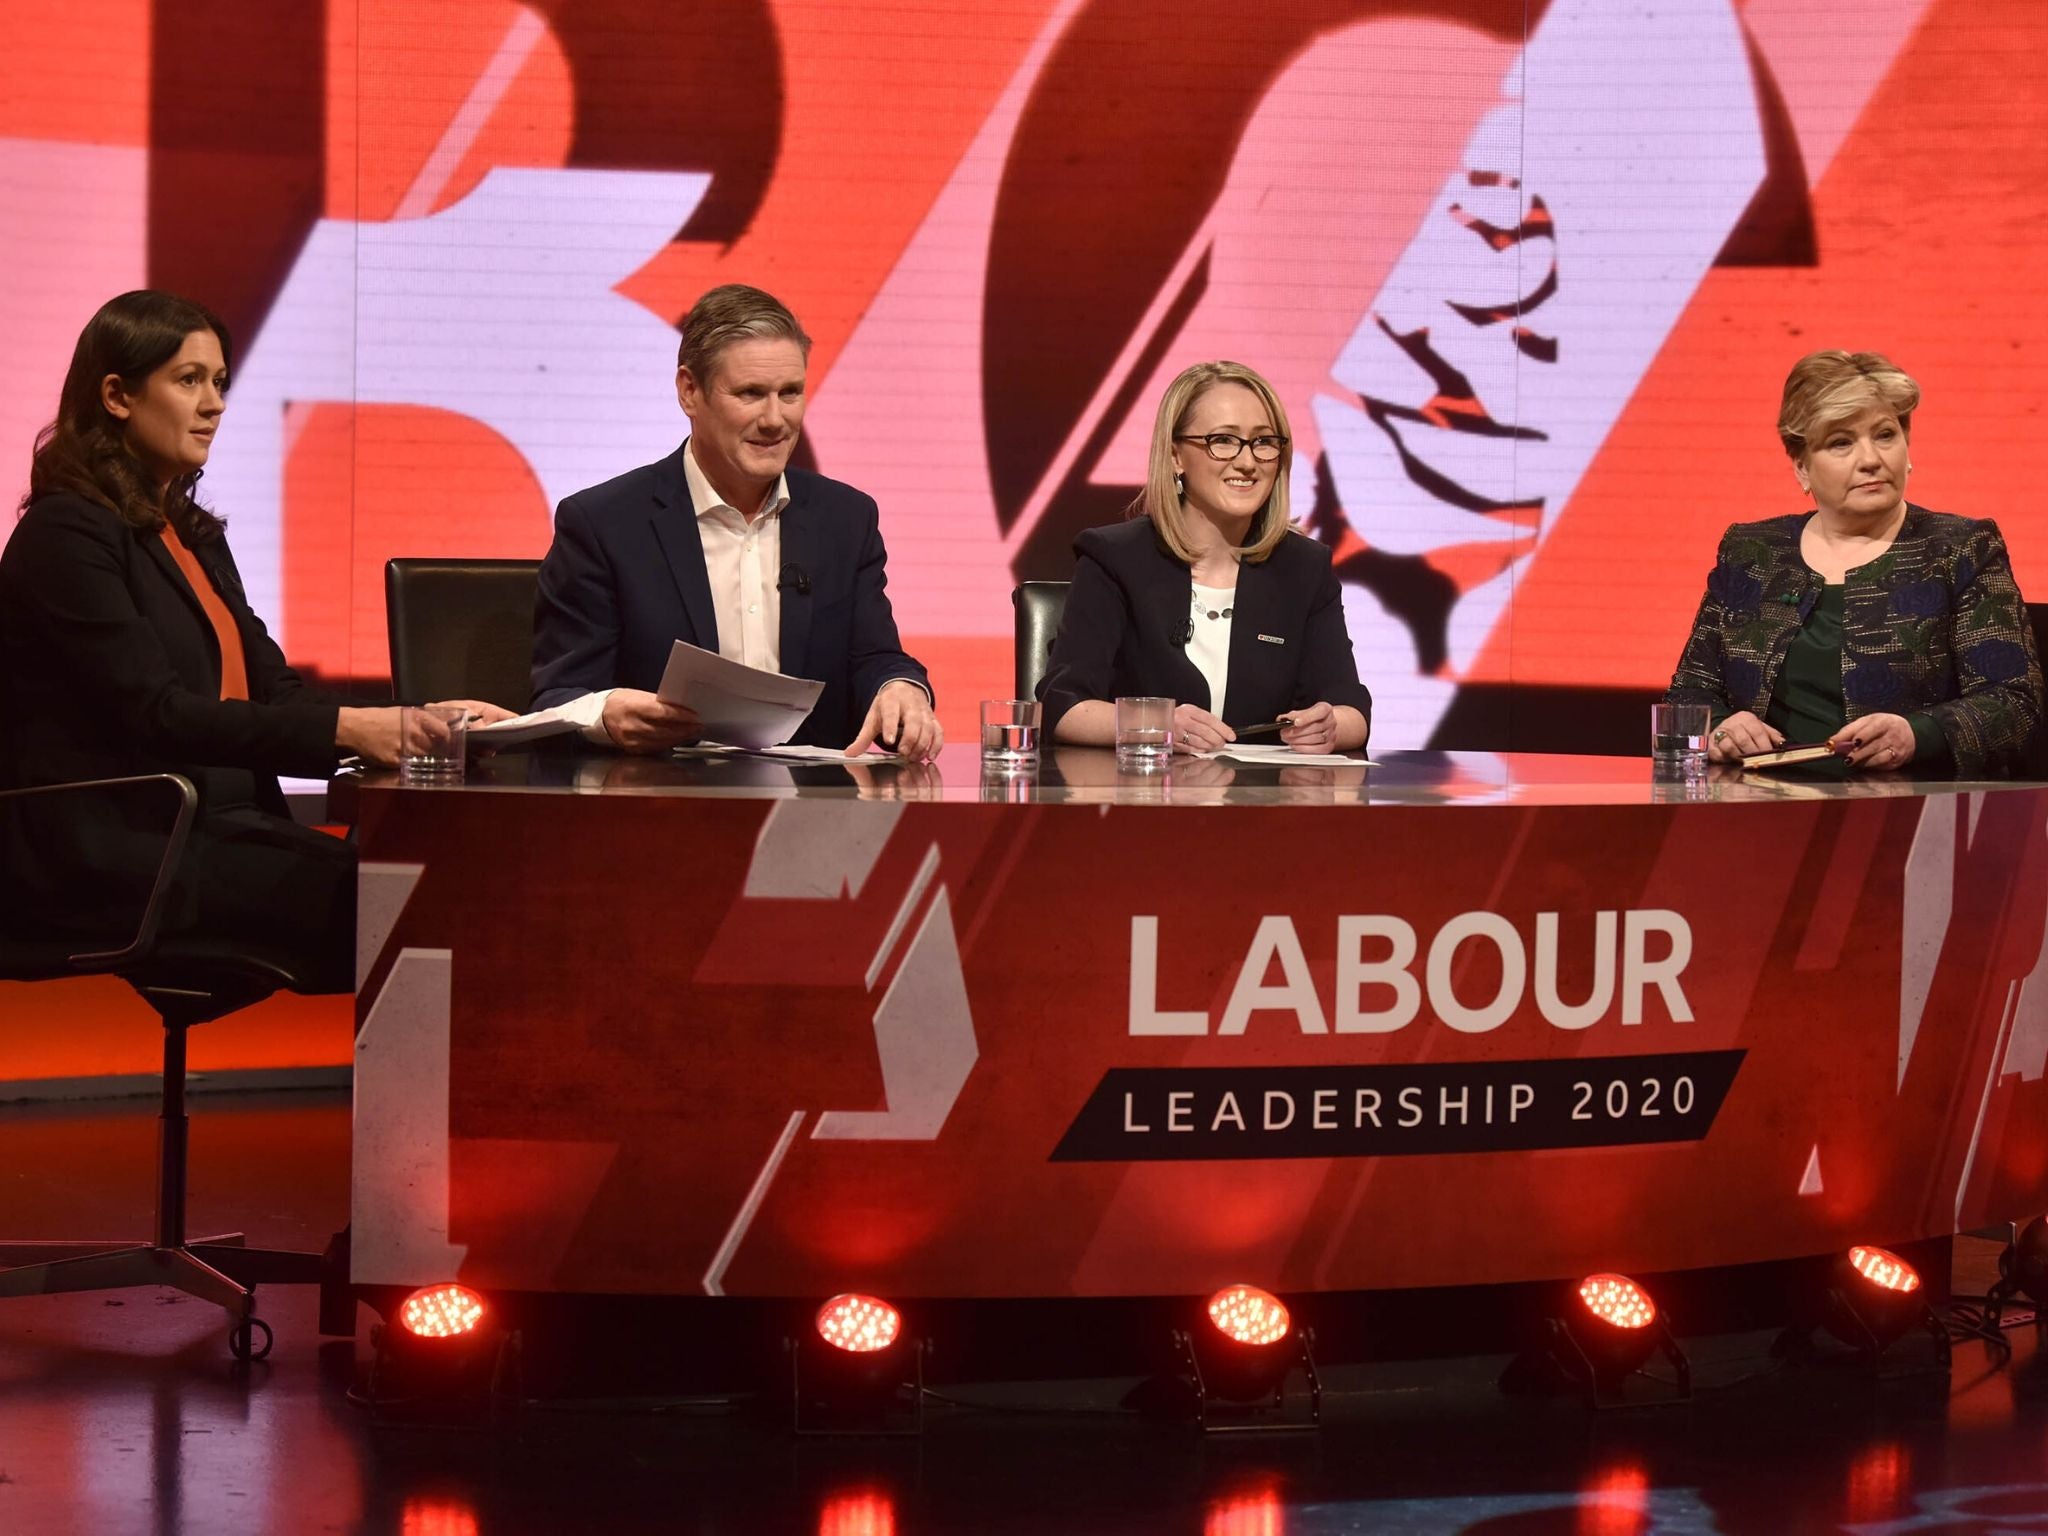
<point x="1894" y="634"/>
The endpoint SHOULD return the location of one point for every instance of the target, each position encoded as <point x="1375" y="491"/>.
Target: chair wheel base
<point x="243" y="1342"/>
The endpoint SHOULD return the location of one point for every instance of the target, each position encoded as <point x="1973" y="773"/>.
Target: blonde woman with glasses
<point x="1208" y="594"/>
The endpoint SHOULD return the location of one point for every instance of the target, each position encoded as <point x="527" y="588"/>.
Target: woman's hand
<point x="1314" y="729"/>
<point x="480" y="711"/>
<point x="1739" y="735"/>
<point x="1879" y="742"/>
<point x="371" y="734"/>
<point x="1196" y="730"/>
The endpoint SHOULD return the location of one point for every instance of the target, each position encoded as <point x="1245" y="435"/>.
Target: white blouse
<point x="1209" y="646"/>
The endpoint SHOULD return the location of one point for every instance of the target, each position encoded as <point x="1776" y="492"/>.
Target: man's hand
<point x="901" y="719"/>
<point x="640" y="722"/>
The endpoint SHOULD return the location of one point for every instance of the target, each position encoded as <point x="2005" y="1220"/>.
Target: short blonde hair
<point x="1161" y="501"/>
<point x="1825" y="389"/>
<point x="728" y="315"/>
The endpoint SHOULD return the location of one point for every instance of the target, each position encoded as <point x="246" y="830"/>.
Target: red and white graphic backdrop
<point x="1528" y="274"/>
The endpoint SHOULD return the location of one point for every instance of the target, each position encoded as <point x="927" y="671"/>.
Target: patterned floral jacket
<point x="1935" y="625"/>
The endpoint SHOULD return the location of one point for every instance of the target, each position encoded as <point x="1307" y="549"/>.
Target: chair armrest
<point x="167" y="867"/>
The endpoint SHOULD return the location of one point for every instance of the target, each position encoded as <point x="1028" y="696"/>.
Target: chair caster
<point x="243" y="1343"/>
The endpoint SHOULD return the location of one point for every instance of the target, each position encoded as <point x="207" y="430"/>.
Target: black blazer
<point x="108" y="666"/>
<point x="625" y="579"/>
<point x="1125" y="630"/>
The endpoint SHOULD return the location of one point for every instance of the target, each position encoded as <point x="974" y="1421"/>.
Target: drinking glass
<point x="432" y="743"/>
<point x="1678" y="740"/>
<point x="1144" y="732"/>
<point x="1009" y="732"/>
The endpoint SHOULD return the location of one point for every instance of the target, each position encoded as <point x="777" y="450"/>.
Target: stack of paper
<point x="521" y="729"/>
<point x="1278" y="755"/>
<point x="737" y="704"/>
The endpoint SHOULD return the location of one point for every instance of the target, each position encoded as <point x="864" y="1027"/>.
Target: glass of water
<point x="1144" y="732"/>
<point x="1678" y="740"/>
<point x="432" y="743"/>
<point x="1009" y="732"/>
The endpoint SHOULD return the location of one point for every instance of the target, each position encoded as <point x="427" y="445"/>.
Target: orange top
<point x="234" y="668"/>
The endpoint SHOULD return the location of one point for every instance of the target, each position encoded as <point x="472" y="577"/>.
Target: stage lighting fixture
<point x="859" y="1324"/>
<point x="1873" y="1299"/>
<point x="1245" y="1314"/>
<point x="1238" y="1358"/>
<point x="1603" y="1334"/>
<point x="855" y="1371"/>
<point x="1879" y="1298"/>
<point x="1615" y="1323"/>
<point x="2023" y="1270"/>
<point x="442" y="1312"/>
<point x="442" y="1355"/>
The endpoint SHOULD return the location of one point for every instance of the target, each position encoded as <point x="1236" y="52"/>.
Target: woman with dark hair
<point x="127" y="646"/>
<point x="1208" y="595"/>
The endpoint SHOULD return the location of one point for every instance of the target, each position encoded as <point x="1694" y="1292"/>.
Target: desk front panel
<point x="624" y="1042"/>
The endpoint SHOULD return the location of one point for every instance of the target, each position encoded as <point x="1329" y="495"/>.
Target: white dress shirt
<point x="743" y="559"/>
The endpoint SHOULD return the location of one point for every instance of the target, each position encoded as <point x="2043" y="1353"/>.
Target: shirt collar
<point x="703" y="498"/>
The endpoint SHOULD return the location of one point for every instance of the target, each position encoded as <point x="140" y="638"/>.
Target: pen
<point x="1268" y="728"/>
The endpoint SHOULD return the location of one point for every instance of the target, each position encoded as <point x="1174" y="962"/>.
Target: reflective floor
<point x="123" y="1413"/>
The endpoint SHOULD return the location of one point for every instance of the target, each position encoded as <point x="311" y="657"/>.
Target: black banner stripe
<point x="1168" y="1114"/>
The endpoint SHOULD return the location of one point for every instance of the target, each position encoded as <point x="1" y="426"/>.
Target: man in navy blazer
<point x="723" y="545"/>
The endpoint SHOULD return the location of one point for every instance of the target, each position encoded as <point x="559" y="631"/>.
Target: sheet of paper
<point x="524" y="728"/>
<point x="814" y="754"/>
<point x="1281" y="756"/>
<point x="737" y="704"/>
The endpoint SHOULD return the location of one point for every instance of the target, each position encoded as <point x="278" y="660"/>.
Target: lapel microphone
<point x="1182" y="632"/>
<point x="794" y="578"/>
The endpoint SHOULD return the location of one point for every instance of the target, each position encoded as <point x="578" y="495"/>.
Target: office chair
<point x="461" y="629"/>
<point x="1039" y="605"/>
<point x="188" y="981"/>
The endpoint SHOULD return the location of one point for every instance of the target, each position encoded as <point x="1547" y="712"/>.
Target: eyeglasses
<point x="1228" y="445"/>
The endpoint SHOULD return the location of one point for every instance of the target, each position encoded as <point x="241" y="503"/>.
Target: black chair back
<point x="461" y="629"/>
<point x="1040" y="606"/>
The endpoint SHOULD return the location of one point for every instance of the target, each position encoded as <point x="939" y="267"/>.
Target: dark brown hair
<point x="85" y="450"/>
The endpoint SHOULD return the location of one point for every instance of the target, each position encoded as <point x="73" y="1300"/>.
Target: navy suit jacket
<point x="1125" y="630"/>
<point x="625" y="579"/>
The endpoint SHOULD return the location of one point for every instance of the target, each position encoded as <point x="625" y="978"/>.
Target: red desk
<point x="737" y="1027"/>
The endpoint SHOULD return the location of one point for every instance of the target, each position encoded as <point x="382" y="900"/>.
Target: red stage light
<point x="1884" y="1269"/>
<point x="1618" y="1300"/>
<point x="442" y="1311"/>
<point x="1248" y="1315"/>
<point x="859" y="1324"/>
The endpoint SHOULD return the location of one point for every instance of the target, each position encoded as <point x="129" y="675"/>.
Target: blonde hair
<point x="1825" y="389"/>
<point x="728" y="315"/>
<point x="1161" y="502"/>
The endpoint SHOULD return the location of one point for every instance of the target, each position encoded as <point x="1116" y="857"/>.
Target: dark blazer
<point x="1934" y="626"/>
<point x="1125" y="630"/>
<point x="625" y="579"/>
<point x="108" y="666"/>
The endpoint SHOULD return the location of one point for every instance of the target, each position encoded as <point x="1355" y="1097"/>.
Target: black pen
<point x="1266" y="729"/>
